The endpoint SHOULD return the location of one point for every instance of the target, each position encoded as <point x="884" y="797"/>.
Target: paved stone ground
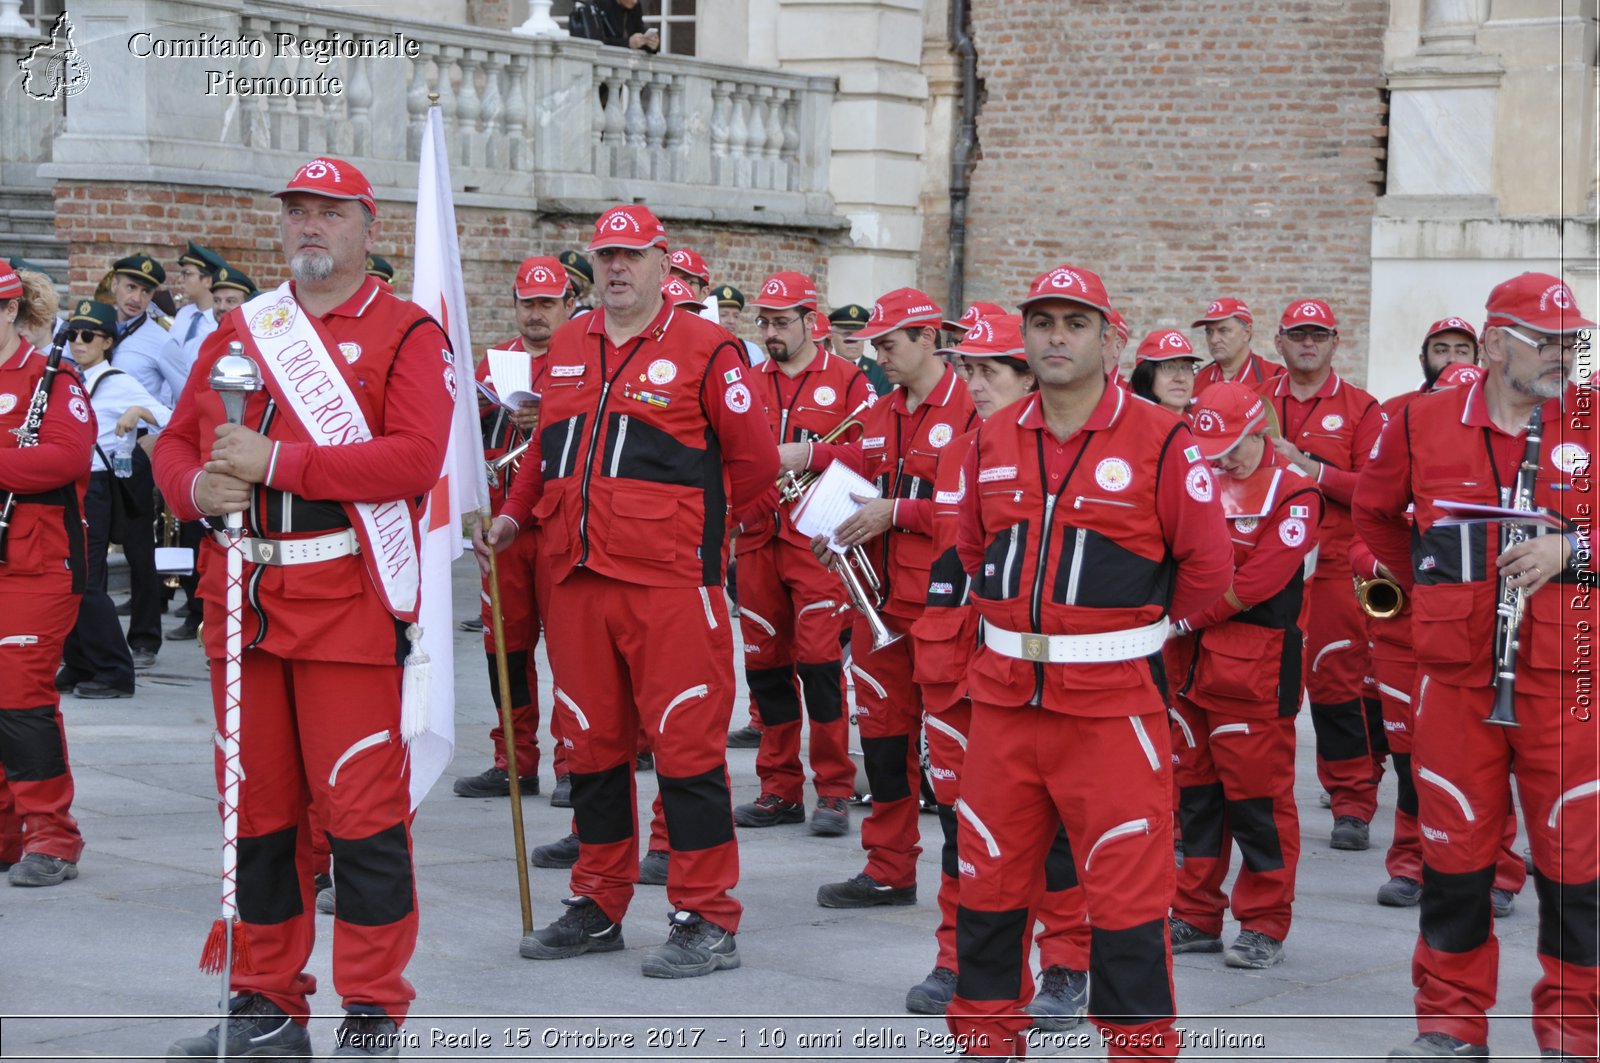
<point x="105" y="967"/>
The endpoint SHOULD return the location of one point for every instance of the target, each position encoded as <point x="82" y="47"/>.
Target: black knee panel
<point x="824" y="703"/>
<point x="991" y="964"/>
<point x="269" y="887"/>
<point x="602" y="803"/>
<point x="30" y="744"/>
<point x="1377" y="737"/>
<point x="1456" y="909"/>
<point x="1569" y="920"/>
<point x="1406" y="799"/>
<point x="699" y="810"/>
<point x="1254" y="829"/>
<point x="517" y="672"/>
<point x="773" y="691"/>
<point x="949" y="857"/>
<point x="886" y="767"/>
<point x="1060" y="869"/>
<point x="1200" y="812"/>
<point x="1341" y="728"/>
<point x="373" y="877"/>
<point x="1128" y="978"/>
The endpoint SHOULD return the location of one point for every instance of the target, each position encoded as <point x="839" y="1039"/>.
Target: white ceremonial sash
<point x="306" y="383"/>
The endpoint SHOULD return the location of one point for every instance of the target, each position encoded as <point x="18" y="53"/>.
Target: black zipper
<point x="1036" y="606"/>
<point x="594" y="436"/>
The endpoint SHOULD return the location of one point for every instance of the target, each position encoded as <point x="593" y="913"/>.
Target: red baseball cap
<point x="1222" y="309"/>
<point x="975" y="313"/>
<point x="787" y="291"/>
<point x="333" y="178"/>
<point x="1450" y="324"/>
<point x="689" y="261"/>
<point x="541" y="276"/>
<point x="677" y="293"/>
<point x="1223" y="415"/>
<point x="821" y="328"/>
<point x="1163" y="345"/>
<point x="1119" y="323"/>
<point x="1457" y="374"/>
<point x="1537" y="301"/>
<point x="1308" y="313"/>
<point x="629" y="226"/>
<point x="992" y="336"/>
<point x="1072" y="284"/>
<point x="901" y="308"/>
<point x="10" y="283"/>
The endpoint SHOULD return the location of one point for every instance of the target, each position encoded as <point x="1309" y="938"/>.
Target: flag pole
<point x="508" y="728"/>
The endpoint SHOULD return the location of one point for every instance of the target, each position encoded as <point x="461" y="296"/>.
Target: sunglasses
<point x="84" y="335"/>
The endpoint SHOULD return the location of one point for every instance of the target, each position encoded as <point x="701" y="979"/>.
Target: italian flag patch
<point x="1192" y="454"/>
<point x="1300" y="511"/>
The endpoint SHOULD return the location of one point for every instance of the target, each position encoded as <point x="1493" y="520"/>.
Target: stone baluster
<point x="601" y="89"/>
<point x="1450" y="27"/>
<point x="637" y="165"/>
<point x="655" y="127"/>
<point x="616" y="148"/>
<point x="448" y="62"/>
<point x="417" y="103"/>
<point x="789" y="153"/>
<point x="469" y="109"/>
<point x="252" y="126"/>
<point x="281" y="130"/>
<point x="315" y="137"/>
<point x="676" y="124"/>
<point x="359" y="94"/>
<point x="759" y="96"/>
<point x="721" y="133"/>
<point x="516" y="114"/>
<point x="739" y="141"/>
<point x="493" y="120"/>
<point x="776" y="177"/>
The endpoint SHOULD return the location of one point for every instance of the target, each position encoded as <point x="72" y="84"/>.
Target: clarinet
<point x="1511" y="600"/>
<point x="28" y="434"/>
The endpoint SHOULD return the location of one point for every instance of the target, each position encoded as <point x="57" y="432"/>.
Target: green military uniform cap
<point x="378" y="266"/>
<point x="86" y="313"/>
<point x="141" y="267"/>
<point x="201" y="257"/>
<point x="19" y="264"/>
<point x="728" y="295"/>
<point x="228" y="277"/>
<point x="850" y="315"/>
<point x="577" y="266"/>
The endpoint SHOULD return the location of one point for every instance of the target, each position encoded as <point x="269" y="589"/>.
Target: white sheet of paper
<point x="1474" y="513"/>
<point x="511" y="372"/>
<point x="828" y="504"/>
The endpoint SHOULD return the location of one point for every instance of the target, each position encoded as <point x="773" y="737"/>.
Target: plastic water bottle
<point x="122" y="455"/>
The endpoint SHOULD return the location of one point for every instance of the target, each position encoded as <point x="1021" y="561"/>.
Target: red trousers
<point x="889" y="717"/>
<point x="1064" y="937"/>
<point x="662" y="656"/>
<point x="1464" y="770"/>
<point x="35" y="778"/>
<point x="524" y="599"/>
<point x="788" y="614"/>
<point x="325" y="732"/>
<point x="1236" y="778"/>
<point x="1107" y="780"/>
<point x="1337" y="664"/>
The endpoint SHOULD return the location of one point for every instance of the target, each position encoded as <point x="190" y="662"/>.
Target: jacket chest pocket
<point x="644" y="526"/>
<point x="1000" y="574"/>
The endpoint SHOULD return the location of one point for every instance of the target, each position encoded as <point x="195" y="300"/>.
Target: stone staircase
<point x="28" y="229"/>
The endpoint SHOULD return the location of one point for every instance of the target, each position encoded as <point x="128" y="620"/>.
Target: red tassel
<point x="213" y="955"/>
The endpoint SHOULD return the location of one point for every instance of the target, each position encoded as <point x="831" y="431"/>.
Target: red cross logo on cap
<point x="1215" y="307"/>
<point x="774" y="287"/>
<point x="982" y="331"/>
<point x="1207" y="421"/>
<point x="620" y="221"/>
<point x="1173" y="340"/>
<point x="316" y="168"/>
<point x="1309" y="310"/>
<point x="1063" y="279"/>
<point x="1559" y="295"/>
<point x="541" y="274"/>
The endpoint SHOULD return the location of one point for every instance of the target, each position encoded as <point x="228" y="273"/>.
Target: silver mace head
<point x="233" y="377"/>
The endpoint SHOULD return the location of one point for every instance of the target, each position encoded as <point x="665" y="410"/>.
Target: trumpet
<point x="169" y="538"/>
<point x="792" y="486"/>
<point x="1380" y="598"/>
<point x="494" y="467"/>
<point x="864" y="589"/>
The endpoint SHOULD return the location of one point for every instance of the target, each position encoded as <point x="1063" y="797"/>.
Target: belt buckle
<point x="264" y="551"/>
<point x="1035" y="648"/>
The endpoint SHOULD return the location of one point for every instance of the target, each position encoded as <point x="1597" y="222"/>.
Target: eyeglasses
<point x="775" y="324"/>
<point x="1564" y="347"/>
<point x="84" y="335"/>
<point x="1319" y="336"/>
<point x="1180" y="366"/>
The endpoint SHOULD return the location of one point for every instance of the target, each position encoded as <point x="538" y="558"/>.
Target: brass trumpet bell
<point x="1380" y="598"/>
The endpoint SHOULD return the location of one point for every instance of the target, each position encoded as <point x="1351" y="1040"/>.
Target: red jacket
<point x="45" y="545"/>
<point x="1106" y="531"/>
<point x="500" y="431"/>
<point x="946" y="633"/>
<point x="900" y="449"/>
<point x="641" y="449"/>
<point x="398" y="363"/>
<point x="1256" y="373"/>
<point x="1337" y="426"/>
<point x="1444" y="446"/>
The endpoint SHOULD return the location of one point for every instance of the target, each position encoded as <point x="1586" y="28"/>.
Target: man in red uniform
<point x="1329" y="427"/>
<point x="789" y="603"/>
<point x="903" y="436"/>
<point x="1238" y="678"/>
<point x="1228" y="326"/>
<point x="350" y="430"/>
<point x="690" y="268"/>
<point x="542" y="301"/>
<point x="1475" y="445"/>
<point x="1089" y="516"/>
<point x="41" y="581"/>
<point x="646" y="415"/>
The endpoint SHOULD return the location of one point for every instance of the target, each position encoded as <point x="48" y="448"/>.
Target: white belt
<point x="297" y="551"/>
<point x="1078" y="649"/>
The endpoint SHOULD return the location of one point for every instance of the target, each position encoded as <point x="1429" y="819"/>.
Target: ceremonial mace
<point x="508" y="728"/>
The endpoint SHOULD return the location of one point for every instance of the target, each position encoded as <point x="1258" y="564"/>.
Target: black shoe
<point x="931" y="996"/>
<point x="561" y="796"/>
<point x="1254" y="950"/>
<point x="67" y="679"/>
<point x="831" y="818"/>
<point x="744" y="738"/>
<point x="187" y="631"/>
<point x="1061" y="1000"/>
<point x="364" y="1036"/>
<point x="184" y="609"/>
<point x="583" y="927"/>
<point x="494" y="782"/>
<point x="1350" y="833"/>
<point x="1177" y="852"/>
<point x="1503" y="901"/>
<point x="864" y="891"/>
<point x="769" y="810"/>
<point x="143" y="659"/>
<point x="563" y="853"/>
<point x="1440" y="1046"/>
<point x="95" y="690"/>
<point x="322" y="885"/>
<point x="693" y="948"/>
<point x="653" y="868"/>
<point x="1400" y="892"/>
<point x="1186" y="937"/>
<point x="472" y="623"/>
<point x="37" y="869"/>
<point x="644" y="762"/>
<point x="256" y="1027"/>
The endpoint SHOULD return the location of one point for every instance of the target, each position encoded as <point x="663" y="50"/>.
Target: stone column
<point x="1450" y="27"/>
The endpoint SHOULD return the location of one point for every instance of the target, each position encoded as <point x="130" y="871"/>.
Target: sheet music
<point x="1474" y="513"/>
<point x="828" y="504"/>
<point x="512" y="375"/>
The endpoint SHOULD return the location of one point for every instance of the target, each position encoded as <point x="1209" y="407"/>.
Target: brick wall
<point x="1183" y="149"/>
<point x="102" y="222"/>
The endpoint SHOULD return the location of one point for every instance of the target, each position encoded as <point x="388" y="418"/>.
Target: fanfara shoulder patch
<point x="940" y="434"/>
<point x="662" y="371"/>
<point x="352" y="351"/>
<point x="8" y="402"/>
<point x="737" y="398"/>
<point x="1198" y="483"/>
<point x="1292" y="531"/>
<point x="825" y="396"/>
<point x="952" y="498"/>
<point x="1332" y="423"/>
<point x="1113" y="474"/>
<point x="1568" y="457"/>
